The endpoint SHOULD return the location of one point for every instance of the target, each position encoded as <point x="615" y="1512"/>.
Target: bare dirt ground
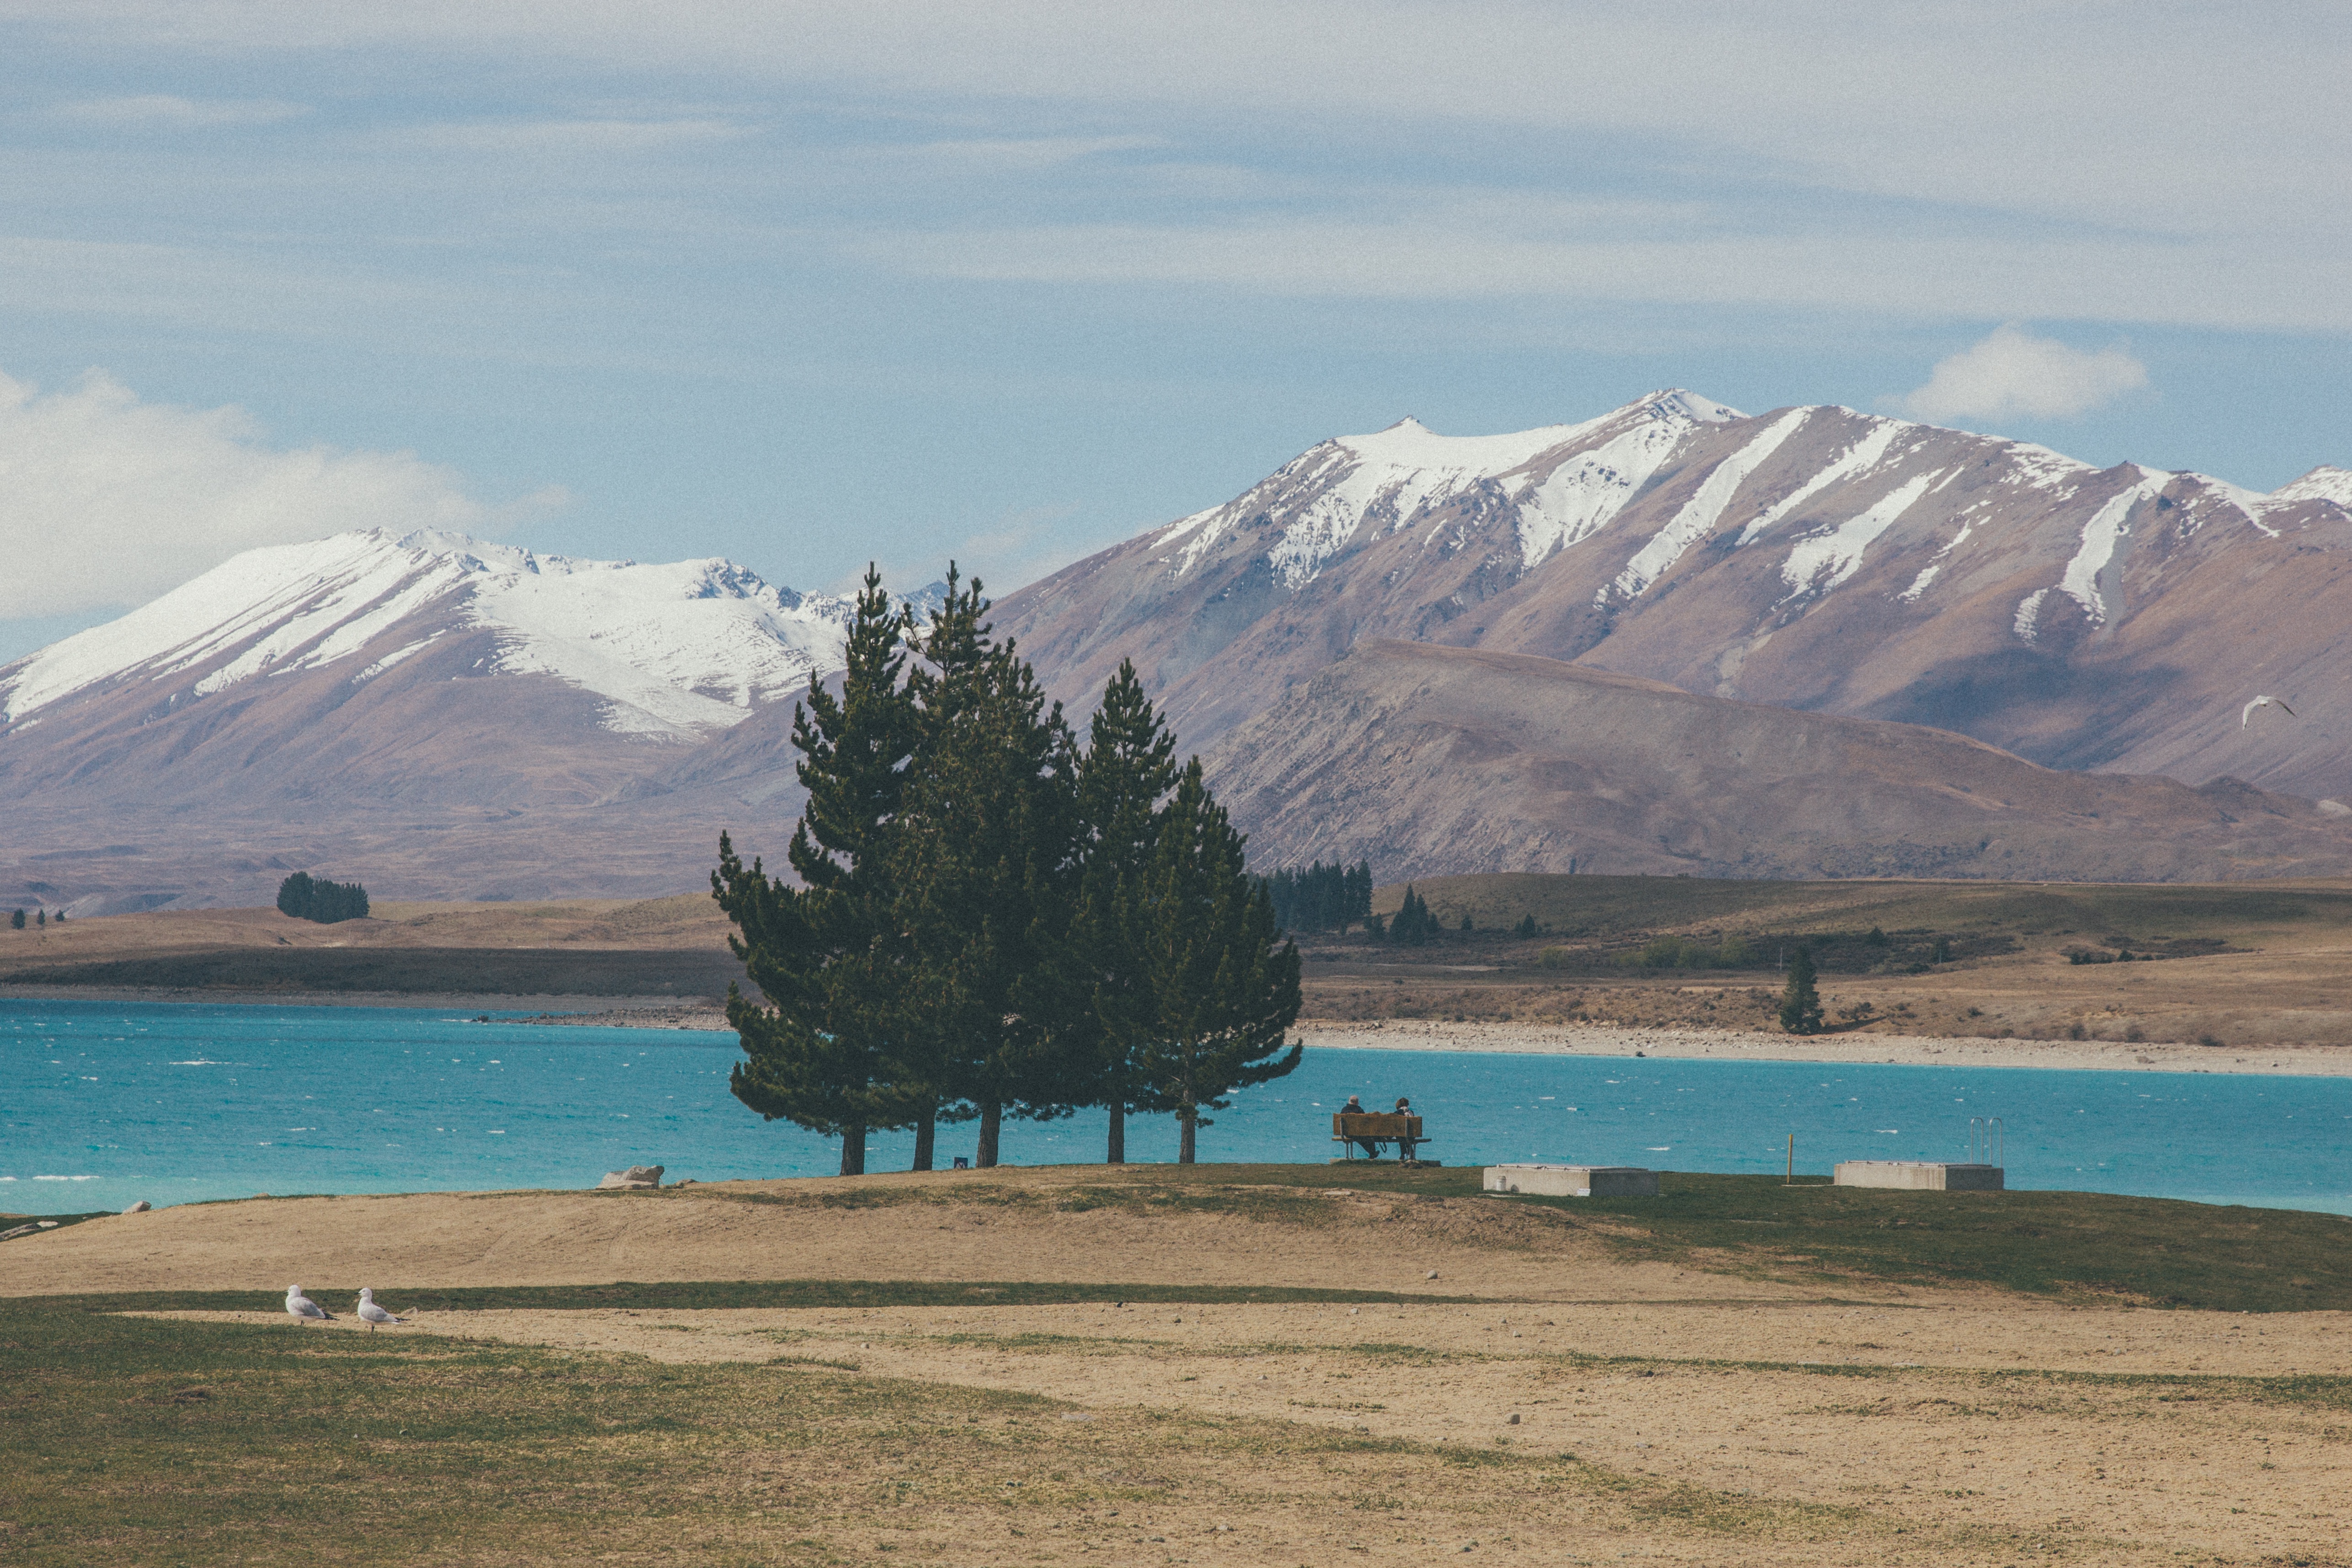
<point x="949" y="1226"/>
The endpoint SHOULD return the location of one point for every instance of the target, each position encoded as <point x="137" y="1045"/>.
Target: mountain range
<point x="447" y="717"/>
<point x="439" y="716"/>
<point x="1813" y="558"/>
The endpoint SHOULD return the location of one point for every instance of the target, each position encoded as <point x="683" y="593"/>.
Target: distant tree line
<point x="989" y="918"/>
<point x="1321" y="898"/>
<point x="307" y="898"/>
<point x="40" y="917"/>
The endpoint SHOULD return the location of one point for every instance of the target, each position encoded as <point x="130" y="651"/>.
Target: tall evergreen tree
<point x="1223" y="992"/>
<point x="16" y="920"/>
<point x="826" y="952"/>
<point x="984" y="864"/>
<point x="1801" y="1003"/>
<point x="1128" y="766"/>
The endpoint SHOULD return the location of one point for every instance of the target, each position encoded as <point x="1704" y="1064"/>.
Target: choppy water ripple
<point x="113" y="1102"/>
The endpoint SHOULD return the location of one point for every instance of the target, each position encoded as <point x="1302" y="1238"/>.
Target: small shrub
<point x="2133" y="1034"/>
<point x="2075" y="1031"/>
<point x="2209" y="1040"/>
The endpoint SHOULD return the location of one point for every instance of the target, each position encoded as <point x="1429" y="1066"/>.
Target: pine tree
<point x="1800" y="1003"/>
<point x="1412" y="923"/>
<point x="985" y="867"/>
<point x="824" y="953"/>
<point x="1223" y="992"/>
<point x="16" y="920"/>
<point x="1128" y="766"/>
<point x="41" y="918"/>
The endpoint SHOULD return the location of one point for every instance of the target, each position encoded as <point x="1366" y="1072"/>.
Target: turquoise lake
<point x="110" y="1102"/>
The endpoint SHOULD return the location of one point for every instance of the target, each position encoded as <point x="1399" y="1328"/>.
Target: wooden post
<point x="1791" y="1180"/>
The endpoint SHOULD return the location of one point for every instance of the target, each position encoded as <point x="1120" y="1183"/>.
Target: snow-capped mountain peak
<point x="1561" y="482"/>
<point x="2326" y="482"/>
<point x="679" y="648"/>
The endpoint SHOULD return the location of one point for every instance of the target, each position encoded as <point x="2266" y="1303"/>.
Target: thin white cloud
<point x="163" y="112"/>
<point x="2013" y="374"/>
<point x="1467" y="251"/>
<point x="106" y="499"/>
<point x="602" y="137"/>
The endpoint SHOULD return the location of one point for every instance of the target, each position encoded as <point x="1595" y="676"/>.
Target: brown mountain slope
<point x="1430" y="760"/>
<point x="1816" y="558"/>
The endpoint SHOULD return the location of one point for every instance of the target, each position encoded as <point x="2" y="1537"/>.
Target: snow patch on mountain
<point x="1865" y="454"/>
<point x="1698" y="516"/>
<point x="2103" y="539"/>
<point x="1927" y="573"/>
<point x="1580" y="496"/>
<point x="687" y="645"/>
<point x="1821" y="561"/>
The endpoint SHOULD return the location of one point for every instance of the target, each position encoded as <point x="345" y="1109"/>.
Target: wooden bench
<point x="1366" y="1132"/>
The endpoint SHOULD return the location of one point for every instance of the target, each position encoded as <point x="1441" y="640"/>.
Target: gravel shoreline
<point x="1912" y="1050"/>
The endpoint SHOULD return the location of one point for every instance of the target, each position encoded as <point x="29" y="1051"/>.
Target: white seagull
<point x="371" y="1314"/>
<point x="2247" y="717"/>
<point x="303" y="1310"/>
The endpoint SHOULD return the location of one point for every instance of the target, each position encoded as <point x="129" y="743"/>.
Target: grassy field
<point x="983" y="1423"/>
<point x="1620" y="906"/>
<point x="139" y="1442"/>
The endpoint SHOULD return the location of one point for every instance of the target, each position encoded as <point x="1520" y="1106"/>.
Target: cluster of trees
<point x="1322" y="897"/>
<point x="307" y="898"/>
<point x="1413" y="923"/>
<point x="990" y="918"/>
<point x="40" y="917"/>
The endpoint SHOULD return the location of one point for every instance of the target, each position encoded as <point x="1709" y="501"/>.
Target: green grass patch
<point x="137" y="1441"/>
<point x="2152" y="1251"/>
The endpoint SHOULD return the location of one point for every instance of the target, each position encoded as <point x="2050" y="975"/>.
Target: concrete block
<point x="1574" y="1181"/>
<point x="1919" y="1175"/>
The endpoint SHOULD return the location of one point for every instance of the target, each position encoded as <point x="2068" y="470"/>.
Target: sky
<point x="807" y="285"/>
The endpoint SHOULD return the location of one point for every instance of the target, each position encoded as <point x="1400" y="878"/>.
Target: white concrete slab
<point x="1919" y="1175"/>
<point x="1574" y="1181"/>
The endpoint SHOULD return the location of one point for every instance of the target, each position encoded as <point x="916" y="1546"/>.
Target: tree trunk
<point x="991" y="1118"/>
<point x="1187" y="1118"/>
<point x="927" y="1138"/>
<point x="1117" y="1153"/>
<point x="853" y="1151"/>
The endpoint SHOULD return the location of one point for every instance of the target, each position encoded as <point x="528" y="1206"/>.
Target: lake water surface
<point x="110" y="1103"/>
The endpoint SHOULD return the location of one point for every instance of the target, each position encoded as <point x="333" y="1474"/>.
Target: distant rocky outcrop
<point x="1435" y="760"/>
<point x="637" y="1178"/>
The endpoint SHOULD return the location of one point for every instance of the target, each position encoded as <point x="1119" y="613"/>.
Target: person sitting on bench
<point x="1354" y="1106"/>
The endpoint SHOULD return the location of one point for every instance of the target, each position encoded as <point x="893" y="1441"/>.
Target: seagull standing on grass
<point x="2246" y="717"/>
<point x="371" y="1314"/>
<point x="303" y="1310"/>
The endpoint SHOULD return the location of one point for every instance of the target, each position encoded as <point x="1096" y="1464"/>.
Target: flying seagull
<point x="371" y="1314"/>
<point x="303" y="1310"/>
<point x="2247" y="717"/>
